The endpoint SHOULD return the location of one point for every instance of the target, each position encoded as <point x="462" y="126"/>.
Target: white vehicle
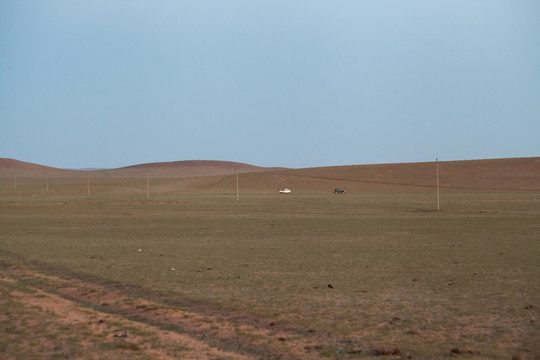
<point x="285" y="191"/>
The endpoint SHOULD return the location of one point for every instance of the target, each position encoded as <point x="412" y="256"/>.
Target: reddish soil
<point x="150" y="327"/>
<point x="497" y="174"/>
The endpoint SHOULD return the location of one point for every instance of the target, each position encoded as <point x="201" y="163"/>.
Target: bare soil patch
<point x="134" y="327"/>
<point x="116" y="333"/>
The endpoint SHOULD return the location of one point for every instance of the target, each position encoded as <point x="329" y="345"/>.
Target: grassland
<point x="373" y="273"/>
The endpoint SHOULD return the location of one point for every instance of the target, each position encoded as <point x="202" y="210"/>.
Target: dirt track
<point x="135" y="327"/>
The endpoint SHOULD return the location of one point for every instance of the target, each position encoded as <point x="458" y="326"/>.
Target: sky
<point x="305" y="83"/>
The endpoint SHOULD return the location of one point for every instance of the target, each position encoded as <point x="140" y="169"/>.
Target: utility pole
<point x="15" y="181"/>
<point x="237" y="188"/>
<point x="47" y="183"/>
<point x="88" y="181"/>
<point x="438" y="198"/>
<point x="147" y="185"/>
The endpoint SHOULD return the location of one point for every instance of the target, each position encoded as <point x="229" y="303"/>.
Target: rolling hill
<point x="7" y="165"/>
<point x="219" y="176"/>
<point x="494" y="174"/>
<point x="175" y="169"/>
<point x="187" y="168"/>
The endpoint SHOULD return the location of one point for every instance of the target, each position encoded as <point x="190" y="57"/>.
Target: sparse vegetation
<point x="406" y="281"/>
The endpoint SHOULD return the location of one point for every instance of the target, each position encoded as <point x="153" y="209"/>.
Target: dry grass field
<point x="161" y="261"/>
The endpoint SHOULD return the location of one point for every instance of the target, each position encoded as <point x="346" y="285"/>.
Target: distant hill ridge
<point x="508" y="173"/>
<point x="6" y="163"/>
<point x="194" y="163"/>
<point x="191" y="168"/>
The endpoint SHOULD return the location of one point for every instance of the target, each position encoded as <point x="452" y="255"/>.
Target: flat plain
<point x="166" y="263"/>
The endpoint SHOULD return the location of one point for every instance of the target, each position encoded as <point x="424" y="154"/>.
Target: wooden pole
<point x="15" y="181"/>
<point x="47" y="183"/>
<point x="147" y="185"/>
<point x="438" y="197"/>
<point x="237" y="187"/>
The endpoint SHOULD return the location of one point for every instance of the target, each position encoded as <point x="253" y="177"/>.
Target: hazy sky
<point x="109" y="83"/>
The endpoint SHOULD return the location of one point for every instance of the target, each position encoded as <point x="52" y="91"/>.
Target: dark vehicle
<point x="338" y="191"/>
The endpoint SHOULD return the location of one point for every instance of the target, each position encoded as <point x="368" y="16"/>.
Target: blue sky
<point x="109" y="83"/>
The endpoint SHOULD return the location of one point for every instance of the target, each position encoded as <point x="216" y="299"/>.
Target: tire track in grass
<point x="199" y="334"/>
<point x="110" y="332"/>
